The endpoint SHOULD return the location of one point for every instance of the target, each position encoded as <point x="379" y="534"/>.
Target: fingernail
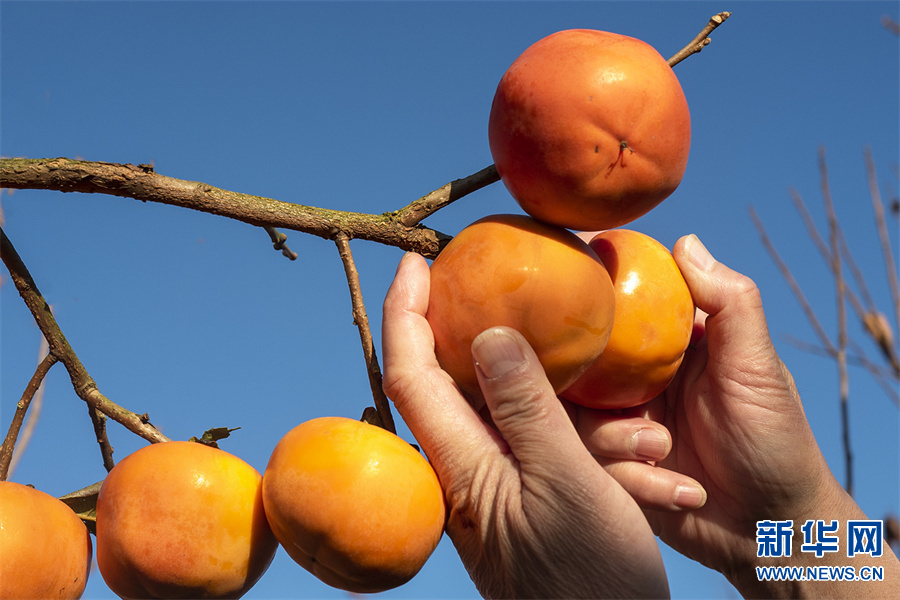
<point x="496" y="353"/>
<point x="689" y="496"/>
<point x="698" y="254"/>
<point x="649" y="444"/>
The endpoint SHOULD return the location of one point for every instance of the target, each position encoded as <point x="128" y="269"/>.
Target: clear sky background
<point x="195" y="319"/>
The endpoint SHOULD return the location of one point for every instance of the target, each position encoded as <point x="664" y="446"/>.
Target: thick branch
<point x="82" y="382"/>
<point x="143" y="183"/>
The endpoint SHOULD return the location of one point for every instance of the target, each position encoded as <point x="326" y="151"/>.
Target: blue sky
<point x="366" y="106"/>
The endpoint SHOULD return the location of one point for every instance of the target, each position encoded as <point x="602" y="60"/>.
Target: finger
<point x="445" y="426"/>
<point x="740" y="349"/>
<point x="699" y="329"/>
<point x="657" y="488"/>
<point x="523" y="405"/>
<point x="634" y="438"/>
<point x="731" y="301"/>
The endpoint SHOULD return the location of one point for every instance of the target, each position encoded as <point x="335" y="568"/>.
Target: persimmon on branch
<point x="400" y="228"/>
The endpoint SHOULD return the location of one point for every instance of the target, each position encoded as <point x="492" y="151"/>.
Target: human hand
<point x="739" y="430"/>
<point x="531" y="512"/>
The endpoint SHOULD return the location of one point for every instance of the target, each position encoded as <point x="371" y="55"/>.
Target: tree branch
<point x="98" y="419"/>
<point x="413" y="214"/>
<point x="882" y="376"/>
<point x="12" y="435"/>
<point x="883" y="235"/>
<point x="361" y="320"/>
<point x="143" y="183"/>
<point x="278" y="242"/>
<point x="82" y="382"/>
<point x="873" y="321"/>
<point x="789" y="278"/>
<point x="836" y="266"/>
<point x="702" y="39"/>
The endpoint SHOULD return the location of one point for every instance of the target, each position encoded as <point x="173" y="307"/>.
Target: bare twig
<point x="795" y="287"/>
<point x="825" y="251"/>
<point x="702" y="39"/>
<point x="361" y="320"/>
<point x="883" y="235"/>
<point x="9" y="443"/>
<point x="883" y="377"/>
<point x="836" y="266"/>
<point x="415" y="212"/>
<point x="98" y="419"/>
<point x="82" y="382"/>
<point x="872" y="320"/>
<point x="278" y="242"/>
<point x="66" y="175"/>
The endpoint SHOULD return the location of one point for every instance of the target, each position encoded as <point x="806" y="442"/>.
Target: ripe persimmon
<point x="515" y="271"/>
<point x="182" y="520"/>
<point x="589" y="129"/>
<point x="353" y="504"/>
<point x="652" y="328"/>
<point x="45" y="549"/>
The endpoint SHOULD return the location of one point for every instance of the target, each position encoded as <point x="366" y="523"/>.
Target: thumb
<point x="735" y="321"/>
<point x="523" y="405"/>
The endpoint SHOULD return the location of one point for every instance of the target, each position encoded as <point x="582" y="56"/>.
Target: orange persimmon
<point x="589" y="129"/>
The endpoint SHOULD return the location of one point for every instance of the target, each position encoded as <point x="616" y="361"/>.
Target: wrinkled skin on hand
<point x="737" y="427"/>
<point x="531" y="511"/>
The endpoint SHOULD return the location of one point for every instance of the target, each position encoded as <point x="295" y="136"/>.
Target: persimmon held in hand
<point x="589" y="129"/>
<point x="353" y="504"/>
<point x="182" y="520"/>
<point x="515" y="271"/>
<point x="45" y="549"/>
<point x="652" y="328"/>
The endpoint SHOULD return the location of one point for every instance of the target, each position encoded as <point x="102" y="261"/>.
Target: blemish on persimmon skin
<point x="620" y="159"/>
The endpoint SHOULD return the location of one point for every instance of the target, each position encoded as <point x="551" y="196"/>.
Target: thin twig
<point x="702" y="39"/>
<point x="9" y="443"/>
<point x="361" y="320"/>
<point x="883" y="377"/>
<point x="82" y="382"/>
<point x="883" y="235"/>
<point x="825" y="251"/>
<point x="278" y="242"/>
<point x="789" y="278"/>
<point x="415" y="212"/>
<point x="836" y="265"/>
<point x="871" y="319"/>
<point x="98" y="419"/>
